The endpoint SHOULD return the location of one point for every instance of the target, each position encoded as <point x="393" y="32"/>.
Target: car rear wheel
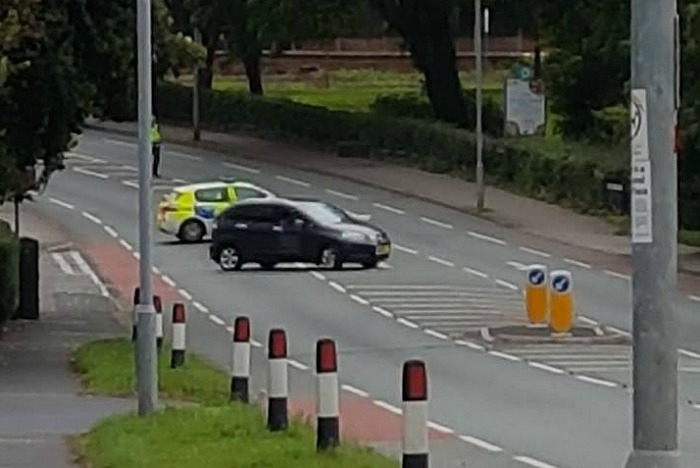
<point x="230" y="258"/>
<point x="267" y="265"/>
<point x="330" y="258"/>
<point x="370" y="264"/>
<point x="192" y="231"/>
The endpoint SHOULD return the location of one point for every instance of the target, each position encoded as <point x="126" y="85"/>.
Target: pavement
<point x="559" y="405"/>
<point x="41" y="404"/>
<point x="523" y="214"/>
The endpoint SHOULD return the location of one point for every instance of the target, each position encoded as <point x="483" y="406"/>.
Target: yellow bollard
<point x="536" y="294"/>
<point x="561" y="301"/>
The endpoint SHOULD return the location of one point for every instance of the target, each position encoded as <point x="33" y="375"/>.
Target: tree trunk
<point x="206" y="74"/>
<point x="251" y="62"/>
<point x="443" y="86"/>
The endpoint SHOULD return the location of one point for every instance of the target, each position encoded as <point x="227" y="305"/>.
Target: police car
<point x="189" y="211"/>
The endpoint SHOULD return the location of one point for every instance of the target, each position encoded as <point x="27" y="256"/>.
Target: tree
<point x="249" y="26"/>
<point x="426" y="27"/>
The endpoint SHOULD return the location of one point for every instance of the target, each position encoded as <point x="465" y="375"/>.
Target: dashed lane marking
<point x="109" y="230"/>
<point x="440" y="428"/>
<point x="90" y="173"/>
<point x="126" y="245"/>
<point x="297" y="364"/>
<point x="407" y="323"/>
<point x="359" y="300"/>
<point x="185" y="294"/>
<point x="388" y="208"/>
<point x="441" y="261"/>
<point x="293" y="181"/>
<point x="545" y="367"/>
<point x="434" y="334"/>
<point x="184" y="156"/>
<point x="355" y="390"/>
<point x="337" y="287"/>
<point x="388" y="406"/>
<point x="408" y="250"/>
<point x="437" y="223"/>
<point x="169" y="281"/>
<point x="506" y="284"/>
<point x="536" y="252"/>
<point x="571" y="261"/>
<point x="216" y="319"/>
<point x="593" y="380"/>
<point x="200" y="307"/>
<point x="240" y="167"/>
<point x="474" y="272"/>
<point x="120" y="142"/>
<point x="58" y="202"/>
<point x="615" y="274"/>
<point x="694" y="298"/>
<point x="344" y="195"/>
<point x="506" y="356"/>
<point x="91" y="217"/>
<point x="486" y="238"/>
<point x="382" y="311"/>
<point x="533" y="462"/>
<point x="480" y="443"/>
<point x="690" y="354"/>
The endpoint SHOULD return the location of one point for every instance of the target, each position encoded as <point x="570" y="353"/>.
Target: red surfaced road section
<point x="360" y="420"/>
<point x="120" y="270"/>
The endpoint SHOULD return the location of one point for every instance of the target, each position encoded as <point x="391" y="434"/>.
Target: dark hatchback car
<point x="273" y="231"/>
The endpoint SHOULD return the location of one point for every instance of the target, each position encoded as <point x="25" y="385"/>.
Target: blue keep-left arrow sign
<point x="561" y="284"/>
<point x="536" y="277"/>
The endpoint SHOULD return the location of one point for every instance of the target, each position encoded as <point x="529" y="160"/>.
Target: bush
<point x="416" y="106"/>
<point x="430" y="146"/>
<point x="9" y="272"/>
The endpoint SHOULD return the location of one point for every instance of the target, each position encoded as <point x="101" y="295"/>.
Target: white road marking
<point x="84" y="157"/>
<point x="240" y="167"/>
<point x="435" y="334"/>
<point x="694" y="298"/>
<point x="436" y="223"/>
<point x="474" y="272"/>
<point x="200" y="307"/>
<point x="297" y="364"/>
<point x="405" y="249"/>
<point x="90" y="173"/>
<point x="136" y="255"/>
<point x="388" y="406"/>
<point x="318" y="276"/>
<point x="337" y="287"/>
<point x="480" y="443"/>
<point x="58" y="202"/>
<point x="615" y="274"/>
<point x="588" y="320"/>
<point x="63" y="264"/>
<point x="382" y="311"/>
<point x="690" y="354"/>
<point x="82" y="264"/>
<point x="359" y="299"/>
<point x="506" y="356"/>
<point x="355" y="390"/>
<point x="469" y="344"/>
<point x="169" y="281"/>
<point x="184" y="156"/>
<point x="506" y="284"/>
<point x="156" y="270"/>
<point x="545" y="367"/>
<point x="388" y="208"/>
<point x="109" y="230"/>
<point x="91" y="217"/>
<point x="533" y="462"/>
<point x="216" y="319"/>
<point x="185" y="294"/>
<point x="571" y="261"/>
<point x="486" y="238"/>
<point x="440" y="428"/>
<point x="601" y="382"/>
<point x="180" y="181"/>
<point x="130" y="183"/>
<point x="441" y="261"/>
<point x="293" y="181"/>
<point x="407" y="323"/>
<point x="344" y="195"/>
<point x="539" y="253"/>
<point x="619" y="331"/>
<point x="120" y="143"/>
<point x="126" y="245"/>
<point x="516" y="265"/>
<point x="255" y="344"/>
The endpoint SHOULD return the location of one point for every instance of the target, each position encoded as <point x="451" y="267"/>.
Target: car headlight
<point x="357" y="237"/>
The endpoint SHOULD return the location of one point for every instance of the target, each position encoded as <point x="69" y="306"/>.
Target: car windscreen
<point x="324" y="213"/>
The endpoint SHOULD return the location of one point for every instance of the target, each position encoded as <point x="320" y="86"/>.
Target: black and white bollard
<point x="327" y="396"/>
<point x="177" y="354"/>
<point x="277" y="381"/>
<point x="415" y="415"/>
<point x="240" y="360"/>
<point x="158" y="305"/>
<point x="134" y="317"/>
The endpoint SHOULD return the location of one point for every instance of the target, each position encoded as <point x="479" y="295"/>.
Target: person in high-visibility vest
<point x="155" y="142"/>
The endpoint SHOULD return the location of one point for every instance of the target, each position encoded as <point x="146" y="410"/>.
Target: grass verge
<point x="214" y="434"/>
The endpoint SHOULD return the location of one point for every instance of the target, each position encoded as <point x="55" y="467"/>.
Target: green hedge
<point x="431" y="146"/>
<point x="9" y="272"/>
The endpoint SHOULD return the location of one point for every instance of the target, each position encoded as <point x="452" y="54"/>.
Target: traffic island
<point x="543" y="334"/>
<point x="214" y="433"/>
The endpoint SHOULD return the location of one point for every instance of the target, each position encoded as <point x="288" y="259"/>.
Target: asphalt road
<point x="450" y="273"/>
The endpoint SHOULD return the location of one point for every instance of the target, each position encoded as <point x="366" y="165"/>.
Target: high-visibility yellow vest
<point x="155" y="134"/>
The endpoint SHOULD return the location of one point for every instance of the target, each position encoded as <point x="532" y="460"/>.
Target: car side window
<point x="245" y="193"/>
<point x="214" y="195"/>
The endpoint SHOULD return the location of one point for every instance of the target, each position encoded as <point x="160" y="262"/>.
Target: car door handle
<point x="240" y="226"/>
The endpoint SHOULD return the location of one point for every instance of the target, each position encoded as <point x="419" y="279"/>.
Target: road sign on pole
<point x="536" y="302"/>
<point x="146" y="355"/>
<point x="654" y="234"/>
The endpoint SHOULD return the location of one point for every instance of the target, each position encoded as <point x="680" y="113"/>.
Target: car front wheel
<point x="330" y="258"/>
<point x="192" y="231"/>
<point x="230" y="258"/>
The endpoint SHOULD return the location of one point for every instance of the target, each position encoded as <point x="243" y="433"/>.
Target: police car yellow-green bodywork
<point x="189" y="211"/>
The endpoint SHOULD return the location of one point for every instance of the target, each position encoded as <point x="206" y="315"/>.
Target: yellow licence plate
<point x="383" y="249"/>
